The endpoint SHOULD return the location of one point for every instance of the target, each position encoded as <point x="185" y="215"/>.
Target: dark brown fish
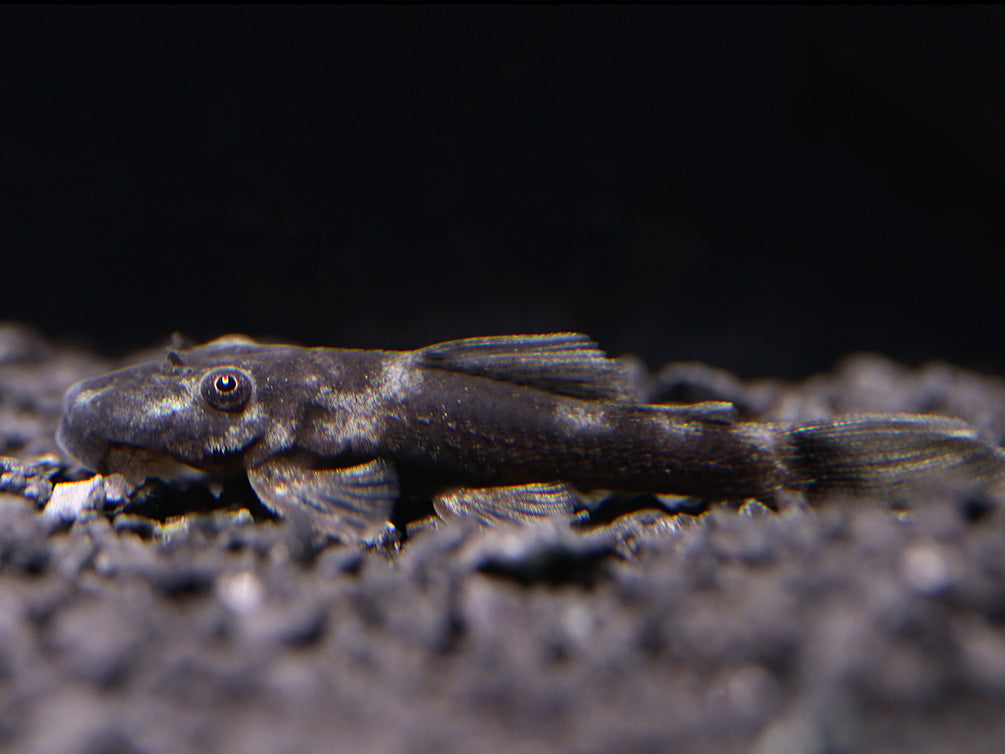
<point x="344" y="434"/>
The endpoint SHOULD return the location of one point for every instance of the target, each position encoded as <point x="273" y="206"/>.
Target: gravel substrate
<point x="844" y="627"/>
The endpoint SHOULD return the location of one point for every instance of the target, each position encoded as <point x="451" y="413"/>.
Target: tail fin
<point x="888" y="453"/>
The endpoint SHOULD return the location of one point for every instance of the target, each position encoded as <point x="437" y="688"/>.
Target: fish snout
<point x="77" y="433"/>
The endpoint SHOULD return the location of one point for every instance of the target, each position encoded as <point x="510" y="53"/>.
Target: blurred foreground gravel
<point x="846" y="627"/>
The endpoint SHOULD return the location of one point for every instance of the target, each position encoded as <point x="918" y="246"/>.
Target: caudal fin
<point x="889" y="453"/>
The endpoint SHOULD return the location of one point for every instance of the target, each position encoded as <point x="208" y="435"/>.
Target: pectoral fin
<point x="493" y="506"/>
<point x="564" y="363"/>
<point x="350" y="500"/>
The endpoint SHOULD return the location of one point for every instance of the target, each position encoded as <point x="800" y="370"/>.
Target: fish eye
<point x="226" y="389"/>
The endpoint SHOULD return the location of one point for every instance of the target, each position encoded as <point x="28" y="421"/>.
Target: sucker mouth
<point x="138" y="464"/>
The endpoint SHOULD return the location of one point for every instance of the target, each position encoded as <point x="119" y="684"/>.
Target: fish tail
<point x="888" y="453"/>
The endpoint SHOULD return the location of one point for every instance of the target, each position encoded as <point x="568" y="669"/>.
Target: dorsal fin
<point x="565" y="363"/>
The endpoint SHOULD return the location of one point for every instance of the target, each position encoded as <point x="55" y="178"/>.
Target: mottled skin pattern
<point x="481" y="432"/>
<point x="305" y="422"/>
<point x="338" y="407"/>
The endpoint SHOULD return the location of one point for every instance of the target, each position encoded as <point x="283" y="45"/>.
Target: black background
<point x="762" y="189"/>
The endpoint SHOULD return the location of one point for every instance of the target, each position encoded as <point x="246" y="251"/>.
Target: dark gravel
<point x="846" y="627"/>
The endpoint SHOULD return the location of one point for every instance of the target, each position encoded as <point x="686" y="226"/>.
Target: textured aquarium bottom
<point x="848" y="626"/>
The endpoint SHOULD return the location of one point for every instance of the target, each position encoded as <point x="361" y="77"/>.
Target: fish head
<point x="219" y="408"/>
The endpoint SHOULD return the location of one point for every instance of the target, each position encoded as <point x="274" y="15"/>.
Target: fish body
<point x="344" y="434"/>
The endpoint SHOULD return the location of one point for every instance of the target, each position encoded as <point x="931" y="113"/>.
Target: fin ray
<point x="353" y="498"/>
<point x="492" y="506"/>
<point x="564" y="363"/>
<point x="887" y="453"/>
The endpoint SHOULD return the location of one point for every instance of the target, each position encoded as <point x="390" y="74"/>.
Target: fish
<point x="497" y="429"/>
